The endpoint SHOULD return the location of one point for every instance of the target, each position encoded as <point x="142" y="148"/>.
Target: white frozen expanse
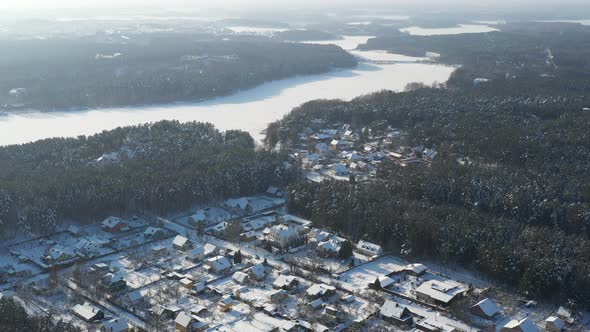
<point x="346" y="43"/>
<point x="386" y="56"/>
<point x="582" y="22"/>
<point x="244" y="30"/>
<point x="249" y="110"/>
<point x="459" y="29"/>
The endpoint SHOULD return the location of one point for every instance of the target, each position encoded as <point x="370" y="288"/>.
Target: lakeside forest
<point x="154" y="168"/>
<point x="114" y="69"/>
<point x="523" y="58"/>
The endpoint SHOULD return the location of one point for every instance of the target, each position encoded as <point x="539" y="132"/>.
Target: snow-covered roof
<point x="416" y="268"/>
<point x="443" y="291"/>
<point x="368" y="246"/>
<point x="219" y="263"/>
<point x="284" y="281"/>
<point x="183" y="319"/>
<point x="385" y="281"/>
<point x="564" y="312"/>
<point x="226" y="300"/>
<point x="556" y="322"/>
<point x="150" y="231"/>
<point x="525" y="325"/>
<point x="258" y="270"/>
<point x="339" y="168"/>
<point x="273" y="190"/>
<point x="316" y="303"/>
<point x="111" y="222"/>
<point x="134" y="296"/>
<point x="330" y="245"/>
<point x="86" y="311"/>
<point x="319" y="289"/>
<point x="240" y="277"/>
<point x="116" y="325"/>
<point x="488" y="307"/>
<point x="179" y="241"/>
<point x="393" y="309"/>
<point x="240" y="203"/>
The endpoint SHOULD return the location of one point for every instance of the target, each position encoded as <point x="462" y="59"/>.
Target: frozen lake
<point x="249" y="110"/>
<point x="459" y="29"/>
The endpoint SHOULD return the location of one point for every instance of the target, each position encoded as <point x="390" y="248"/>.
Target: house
<point x="113" y="224"/>
<point x="199" y="287"/>
<point x="187" y="283"/>
<point x="115" y="325"/>
<point x="198" y="218"/>
<point x="329" y="248"/>
<point x="369" y="249"/>
<point x="433" y="325"/>
<point x="348" y="298"/>
<point x="74" y="230"/>
<point x="201" y="252"/>
<point x="238" y="204"/>
<point x="439" y="292"/>
<point x="189" y="323"/>
<point x="88" y="248"/>
<point x="415" y="269"/>
<point x="554" y="324"/>
<point x="274" y="191"/>
<point x="395" y="313"/>
<point x="277" y="295"/>
<point x="198" y="309"/>
<point x="154" y="233"/>
<point x="286" y="236"/>
<point x="249" y="236"/>
<point x="165" y="312"/>
<point x="59" y="254"/>
<point x="485" y="308"/>
<point x="566" y="315"/>
<point x="226" y="303"/>
<point x="99" y="268"/>
<point x="159" y="250"/>
<point x="113" y="282"/>
<point x="258" y="271"/>
<point x="133" y="299"/>
<point x="337" y="144"/>
<point x="320" y="290"/>
<point x="286" y="282"/>
<point x="182" y="243"/>
<point x="340" y="170"/>
<point x="384" y="282"/>
<point x="240" y="277"/>
<point x="88" y="312"/>
<point x="219" y="264"/>
<point x="316" y="304"/>
<point x="524" y="325"/>
<point x="311" y="159"/>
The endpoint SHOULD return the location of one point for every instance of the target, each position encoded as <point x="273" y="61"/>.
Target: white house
<point x="368" y="248"/>
<point x="286" y="236"/>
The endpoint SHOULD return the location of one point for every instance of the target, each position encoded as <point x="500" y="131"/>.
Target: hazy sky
<point x="28" y="4"/>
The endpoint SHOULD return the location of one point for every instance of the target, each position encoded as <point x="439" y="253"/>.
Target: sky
<point x="38" y="4"/>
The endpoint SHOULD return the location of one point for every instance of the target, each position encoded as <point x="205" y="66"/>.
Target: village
<point x="340" y="152"/>
<point x="247" y="265"/>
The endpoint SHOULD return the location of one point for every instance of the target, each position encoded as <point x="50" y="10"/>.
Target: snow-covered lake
<point x="249" y="110"/>
<point x="582" y="22"/>
<point x="459" y="29"/>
